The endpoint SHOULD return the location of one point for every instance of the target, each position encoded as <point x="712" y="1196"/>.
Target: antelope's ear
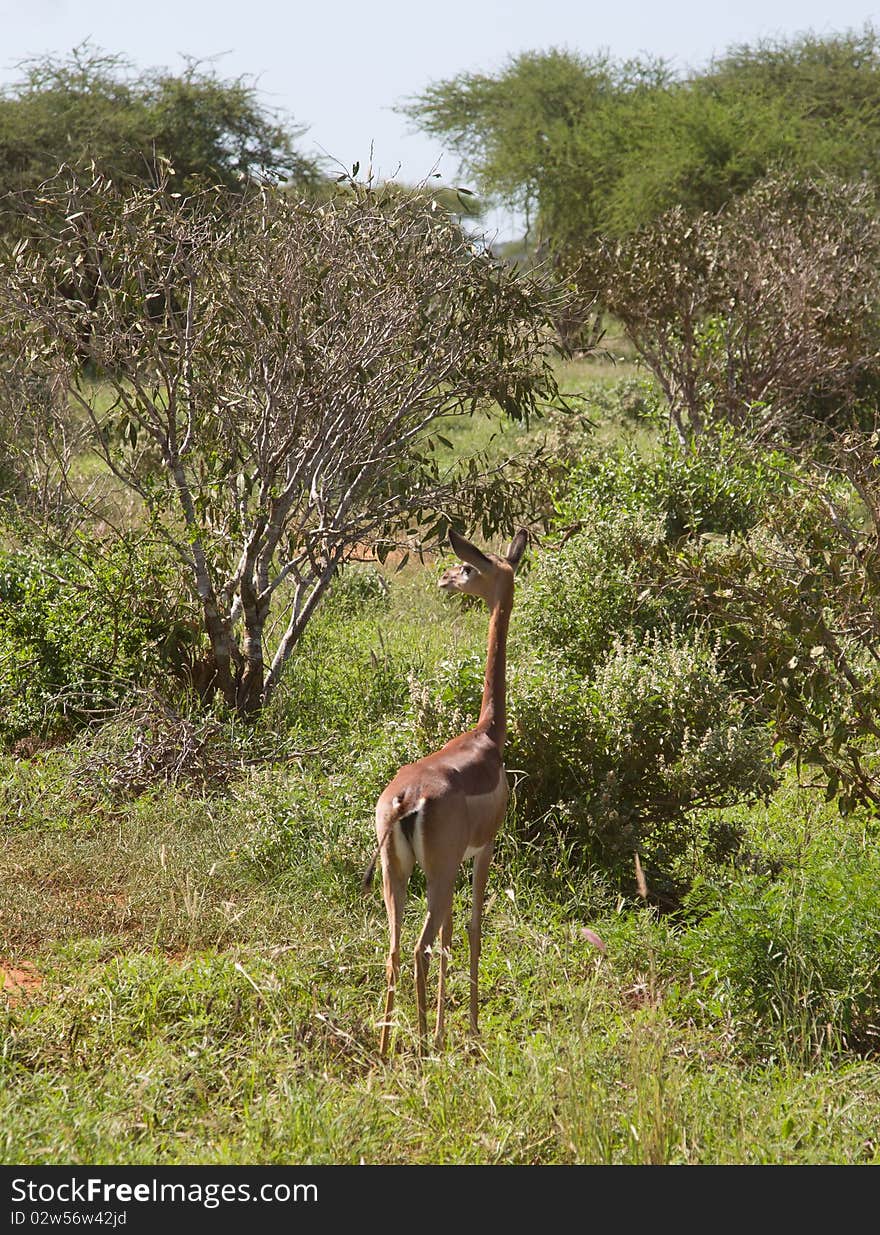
<point x="517" y="548"/>
<point x="466" y="552"/>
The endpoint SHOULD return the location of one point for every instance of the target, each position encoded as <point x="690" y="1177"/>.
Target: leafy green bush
<point x="624" y="755"/>
<point x="443" y="703"/>
<point x="775" y="567"/>
<point x="795" y="603"/>
<point x="626" y="518"/>
<point x="78" y="630"/>
<point x="629" y="712"/>
<point x="711" y="486"/>
<point x="597" y="586"/>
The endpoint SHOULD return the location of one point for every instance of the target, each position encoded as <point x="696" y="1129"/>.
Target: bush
<point x="631" y="710"/>
<point x="78" y="630"/>
<point x="443" y="703"/>
<point x="713" y="486"/>
<point x="778" y="567"/>
<point x="625" y="755"/>
<point x="596" y="587"/>
<point x="796" y="603"/>
<point x="615" y="572"/>
<point x="761" y="315"/>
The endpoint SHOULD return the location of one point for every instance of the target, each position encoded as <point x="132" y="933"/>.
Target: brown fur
<point x="452" y="802"/>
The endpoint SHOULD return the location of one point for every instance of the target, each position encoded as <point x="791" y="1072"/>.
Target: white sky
<point x="339" y="66"/>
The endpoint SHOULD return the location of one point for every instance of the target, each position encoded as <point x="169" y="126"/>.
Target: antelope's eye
<point x="467" y="571"/>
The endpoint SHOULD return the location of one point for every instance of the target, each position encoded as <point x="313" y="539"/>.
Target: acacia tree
<point x="548" y="135"/>
<point x="588" y="145"/>
<point x="271" y="373"/>
<point x="94" y="105"/>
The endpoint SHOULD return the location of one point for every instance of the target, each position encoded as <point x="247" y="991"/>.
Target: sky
<point x="340" y="66"/>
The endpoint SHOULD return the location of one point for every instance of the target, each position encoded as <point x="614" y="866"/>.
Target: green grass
<point x="190" y="1015"/>
<point x="587" y="407"/>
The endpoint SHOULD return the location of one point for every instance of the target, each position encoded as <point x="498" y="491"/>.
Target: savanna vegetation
<point x="236" y="422"/>
<point x="587" y="144"/>
<point x="92" y="105"/>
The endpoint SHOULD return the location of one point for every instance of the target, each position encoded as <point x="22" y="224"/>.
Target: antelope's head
<point x="482" y="574"/>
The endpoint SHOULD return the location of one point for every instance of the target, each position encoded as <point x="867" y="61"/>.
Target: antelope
<point x="448" y="806"/>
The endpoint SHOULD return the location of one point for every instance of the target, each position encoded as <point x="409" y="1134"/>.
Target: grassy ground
<point x="588" y="388"/>
<point x="197" y="977"/>
<point x="187" y="1012"/>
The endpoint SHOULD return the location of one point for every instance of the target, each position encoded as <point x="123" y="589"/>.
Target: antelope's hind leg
<point x="445" y="945"/>
<point x="394" y="892"/>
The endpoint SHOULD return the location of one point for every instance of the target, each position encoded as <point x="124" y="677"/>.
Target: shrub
<point x="630" y="710"/>
<point x="777" y="564"/>
<point x="713" y="486"/>
<point x="796" y="603"/>
<point x="759" y="315"/>
<point x="307" y="431"/>
<point x="615" y="570"/>
<point x="443" y="703"/>
<point x="595" y="587"/>
<point x="78" y="629"/>
<point x="625" y="755"/>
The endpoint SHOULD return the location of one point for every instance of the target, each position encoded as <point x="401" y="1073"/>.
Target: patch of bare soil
<point x="18" y="982"/>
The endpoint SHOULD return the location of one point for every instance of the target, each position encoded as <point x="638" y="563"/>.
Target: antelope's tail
<point x="367" y="881"/>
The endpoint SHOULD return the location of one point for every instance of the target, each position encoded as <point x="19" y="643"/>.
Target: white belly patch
<point x="485" y="811"/>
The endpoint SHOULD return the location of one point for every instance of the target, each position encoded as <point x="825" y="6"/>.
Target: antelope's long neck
<point x="493" y="713"/>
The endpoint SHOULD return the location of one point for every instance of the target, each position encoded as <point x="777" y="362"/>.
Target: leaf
<point x="593" y="938"/>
